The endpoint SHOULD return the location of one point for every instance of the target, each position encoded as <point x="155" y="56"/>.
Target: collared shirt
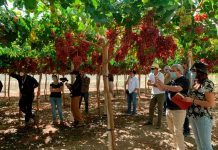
<point x="133" y="83"/>
<point x="151" y="77"/>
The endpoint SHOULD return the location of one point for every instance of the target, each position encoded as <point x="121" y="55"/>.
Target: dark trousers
<point x="186" y="128"/>
<point x="86" y="99"/>
<point x="25" y="105"/>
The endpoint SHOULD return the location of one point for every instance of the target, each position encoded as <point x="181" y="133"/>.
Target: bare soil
<point x="129" y="130"/>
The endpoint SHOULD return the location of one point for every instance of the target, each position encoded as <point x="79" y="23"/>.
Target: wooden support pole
<point x="98" y="79"/>
<point x="110" y="118"/>
<point x="9" y="86"/>
<point x="45" y="90"/>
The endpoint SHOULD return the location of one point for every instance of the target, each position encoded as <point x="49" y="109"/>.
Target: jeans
<point x="175" y="121"/>
<point x="202" y="127"/>
<point x="56" y="102"/>
<point x="156" y="99"/>
<point x="131" y="97"/>
<point x="25" y="105"/>
<point x="86" y="99"/>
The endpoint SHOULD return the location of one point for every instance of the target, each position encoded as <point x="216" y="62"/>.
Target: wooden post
<point x="125" y="78"/>
<point x="9" y="85"/>
<point x="139" y="83"/>
<point x="45" y="90"/>
<point x="37" y="104"/>
<point x="63" y="95"/>
<point x="98" y="79"/>
<point x="110" y="119"/>
<point x="5" y="87"/>
<point x="145" y="84"/>
<point x="117" y="86"/>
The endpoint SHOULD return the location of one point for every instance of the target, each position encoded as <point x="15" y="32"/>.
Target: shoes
<point x="148" y="123"/>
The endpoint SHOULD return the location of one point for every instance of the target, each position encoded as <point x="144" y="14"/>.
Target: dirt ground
<point x="130" y="132"/>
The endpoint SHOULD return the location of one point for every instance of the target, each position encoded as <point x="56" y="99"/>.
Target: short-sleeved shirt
<point x="56" y="86"/>
<point x="184" y="83"/>
<point x="133" y="84"/>
<point x="196" y="111"/>
<point x="151" y="77"/>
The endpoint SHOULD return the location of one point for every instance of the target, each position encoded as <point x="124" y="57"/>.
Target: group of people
<point x="196" y="89"/>
<point x="192" y="83"/>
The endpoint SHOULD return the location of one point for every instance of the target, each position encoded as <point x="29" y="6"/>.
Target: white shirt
<point x="151" y="77"/>
<point x="133" y="84"/>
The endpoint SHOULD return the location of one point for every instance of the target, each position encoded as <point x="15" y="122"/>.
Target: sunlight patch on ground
<point x="49" y="129"/>
<point x="11" y="130"/>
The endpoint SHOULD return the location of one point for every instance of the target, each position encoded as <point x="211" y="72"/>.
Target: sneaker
<point x="148" y="123"/>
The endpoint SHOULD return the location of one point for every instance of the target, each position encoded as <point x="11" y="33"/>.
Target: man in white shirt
<point x="157" y="95"/>
<point x="133" y="88"/>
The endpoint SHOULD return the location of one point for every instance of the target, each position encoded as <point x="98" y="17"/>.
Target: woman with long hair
<point x="203" y="98"/>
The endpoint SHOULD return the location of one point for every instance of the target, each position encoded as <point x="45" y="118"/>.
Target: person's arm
<point x="149" y="83"/>
<point x="163" y="87"/>
<point x="14" y="75"/>
<point x="209" y="103"/>
<point x="36" y="84"/>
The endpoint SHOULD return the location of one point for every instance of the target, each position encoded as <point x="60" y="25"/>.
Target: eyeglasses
<point x="152" y="68"/>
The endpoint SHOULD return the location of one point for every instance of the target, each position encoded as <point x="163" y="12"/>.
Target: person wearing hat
<point x="75" y="91"/>
<point x="203" y="98"/>
<point x="27" y="84"/>
<point x="175" y="116"/>
<point x="157" y="95"/>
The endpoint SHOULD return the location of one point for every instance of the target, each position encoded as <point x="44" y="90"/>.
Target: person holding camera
<point x="133" y="89"/>
<point x="157" y="95"/>
<point x="75" y="91"/>
<point x="55" y="97"/>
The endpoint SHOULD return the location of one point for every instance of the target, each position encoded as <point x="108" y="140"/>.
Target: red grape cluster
<point x="61" y="50"/>
<point x="111" y="35"/>
<point x="199" y="29"/>
<point x="77" y="61"/>
<point x="200" y="17"/>
<point x="126" y="43"/>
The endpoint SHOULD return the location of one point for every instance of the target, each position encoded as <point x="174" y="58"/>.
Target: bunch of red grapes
<point x="200" y="17"/>
<point x="199" y="29"/>
<point x="61" y="50"/>
<point x="111" y="35"/>
<point x="126" y="43"/>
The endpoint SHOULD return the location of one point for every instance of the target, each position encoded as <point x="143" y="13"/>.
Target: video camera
<point x="63" y="79"/>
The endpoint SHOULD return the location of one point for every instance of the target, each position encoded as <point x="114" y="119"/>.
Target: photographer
<point x="75" y="90"/>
